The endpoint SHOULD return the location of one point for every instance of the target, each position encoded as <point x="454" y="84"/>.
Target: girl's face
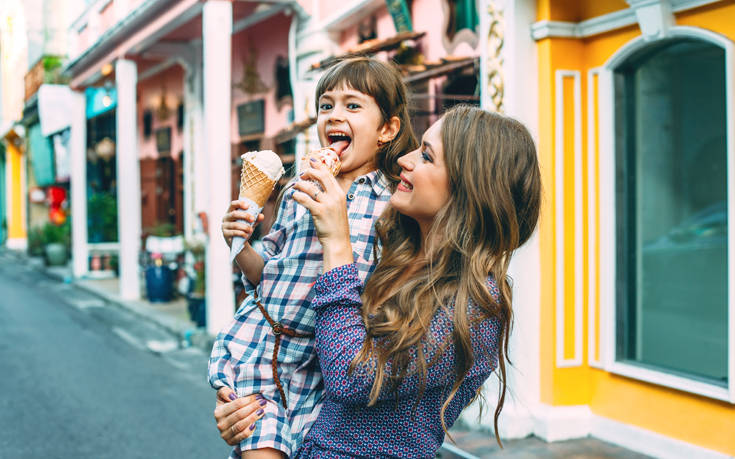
<point x="350" y="122"/>
<point x="424" y="186"/>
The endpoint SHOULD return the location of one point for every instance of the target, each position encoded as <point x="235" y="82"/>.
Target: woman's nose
<point x="407" y="161"/>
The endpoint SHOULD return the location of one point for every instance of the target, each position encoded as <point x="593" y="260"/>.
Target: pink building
<point x="187" y="86"/>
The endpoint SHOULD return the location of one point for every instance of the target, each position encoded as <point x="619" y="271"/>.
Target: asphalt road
<point x="83" y="379"/>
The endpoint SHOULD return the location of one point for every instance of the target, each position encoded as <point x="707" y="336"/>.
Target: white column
<point x="128" y="179"/>
<point x="216" y="53"/>
<point x="78" y="157"/>
<point x="195" y="156"/>
<point x="519" y="77"/>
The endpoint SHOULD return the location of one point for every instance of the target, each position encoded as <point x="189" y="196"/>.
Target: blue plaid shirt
<point x="243" y="350"/>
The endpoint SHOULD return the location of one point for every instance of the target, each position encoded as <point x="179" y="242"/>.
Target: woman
<point x="404" y="355"/>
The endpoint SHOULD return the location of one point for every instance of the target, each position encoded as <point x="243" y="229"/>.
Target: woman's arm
<point x="341" y="334"/>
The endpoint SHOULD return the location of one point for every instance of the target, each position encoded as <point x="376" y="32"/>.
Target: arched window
<point x="671" y="210"/>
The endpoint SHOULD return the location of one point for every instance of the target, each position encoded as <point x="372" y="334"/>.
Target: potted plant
<point x="35" y="241"/>
<point x="56" y="240"/>
<point x="102" y="217"/>
<point x="196" y="298"/>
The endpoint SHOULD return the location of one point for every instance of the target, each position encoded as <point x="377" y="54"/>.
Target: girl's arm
<point x="340" y="335"/>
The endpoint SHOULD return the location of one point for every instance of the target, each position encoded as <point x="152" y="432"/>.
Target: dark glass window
<point x="671" y="210"/>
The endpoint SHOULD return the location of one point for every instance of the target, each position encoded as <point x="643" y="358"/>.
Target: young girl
<point x="269" y="347"/>
<point x="402" y="357"/>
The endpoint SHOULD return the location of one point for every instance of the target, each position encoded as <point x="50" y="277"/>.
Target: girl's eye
<point x="353" y="106"/>
<point x="325" y="106"/>
<point x="425" y="156"/>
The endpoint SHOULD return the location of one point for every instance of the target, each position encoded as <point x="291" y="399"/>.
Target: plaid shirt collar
<point x="378" y="180"/>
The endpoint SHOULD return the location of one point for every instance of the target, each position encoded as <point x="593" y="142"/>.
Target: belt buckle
<point x="277" y="328"/>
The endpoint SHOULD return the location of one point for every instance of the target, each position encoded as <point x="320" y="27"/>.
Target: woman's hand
<point x="236" y="417"/>
<point x="329" y="210"/>
<point x="231" y="226"/>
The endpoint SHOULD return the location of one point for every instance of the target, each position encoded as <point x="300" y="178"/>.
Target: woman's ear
<point x="390" y="129"/>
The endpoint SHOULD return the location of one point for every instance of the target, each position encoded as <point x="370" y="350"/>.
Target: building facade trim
<point x="601" y="24"/>
<point x="560" y="180"/>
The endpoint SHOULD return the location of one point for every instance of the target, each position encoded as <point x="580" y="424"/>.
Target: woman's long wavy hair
<point x="495" y="194"/>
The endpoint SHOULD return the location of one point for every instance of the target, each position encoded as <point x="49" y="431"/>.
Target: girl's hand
<point x="231" y="227"/>
<point x="236" y="417"/>
<point x="329" y="210"/>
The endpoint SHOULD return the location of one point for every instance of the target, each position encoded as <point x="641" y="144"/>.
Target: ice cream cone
<point x="327" y="156"/>
<point x="255" y="184"/>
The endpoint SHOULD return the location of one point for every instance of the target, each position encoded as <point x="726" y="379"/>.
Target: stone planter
<point x="55" y="254"/>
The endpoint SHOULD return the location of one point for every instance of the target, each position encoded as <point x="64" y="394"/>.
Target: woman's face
<point x="424" y="186"/>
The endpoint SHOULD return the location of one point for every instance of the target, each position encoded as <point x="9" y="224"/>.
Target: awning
<point x="54" y="101"/>
<point x="41" y="154"/>
<point x="292" y="130"/>
<point x="446" y="67"/>
<point x="371" y="47"/>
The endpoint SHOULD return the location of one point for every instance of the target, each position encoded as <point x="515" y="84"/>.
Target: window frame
<point x="607" y="221"/>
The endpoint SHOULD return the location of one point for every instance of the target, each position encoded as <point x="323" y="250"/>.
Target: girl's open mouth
<point x="339" y="141"/>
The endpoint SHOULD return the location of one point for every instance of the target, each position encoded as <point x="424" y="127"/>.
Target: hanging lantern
<point x="105" y="149"/>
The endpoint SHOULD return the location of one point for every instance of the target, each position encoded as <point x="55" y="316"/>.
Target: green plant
<point x="102" y="217"/>
<point x="56" y="234"/>
<point x="162" y="229"/>
<point x="35" y="241"/>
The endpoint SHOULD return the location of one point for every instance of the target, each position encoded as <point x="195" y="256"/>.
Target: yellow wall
<point x="574" y="10"/>
<point x="694" y="419"/>
<point x="16" y="220"/>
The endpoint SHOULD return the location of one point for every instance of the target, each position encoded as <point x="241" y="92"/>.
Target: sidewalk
<point x="471" y="443"/>
<point x="172" y="316"/>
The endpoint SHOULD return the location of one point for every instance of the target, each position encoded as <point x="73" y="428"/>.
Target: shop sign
<point x="100" y="100"/>
<point x="251" y="118"/>
<point x="401" y="15"/>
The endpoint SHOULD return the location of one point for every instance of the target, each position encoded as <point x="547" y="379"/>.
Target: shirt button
<point x="350" y="196"/>
<point x="361" y="181"/>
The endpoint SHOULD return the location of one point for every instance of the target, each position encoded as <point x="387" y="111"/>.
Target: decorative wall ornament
<point x="251" y="82"/>
<point x="495" y="38"/>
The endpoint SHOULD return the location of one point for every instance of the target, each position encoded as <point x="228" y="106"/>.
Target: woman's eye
<point x="325" y="106"/>
<point x="425" y="156"/>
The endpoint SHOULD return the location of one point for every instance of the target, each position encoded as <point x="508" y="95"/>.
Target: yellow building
<point x="13" y="64"/>
<point x="636" y="133"/>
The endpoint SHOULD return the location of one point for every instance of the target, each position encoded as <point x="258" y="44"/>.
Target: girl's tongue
<point x="339" y="146"/>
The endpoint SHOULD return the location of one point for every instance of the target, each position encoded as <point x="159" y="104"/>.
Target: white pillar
<point x="519" y="78"/>
<point x="195" y="156"/>
<point x="78" y="157"/>
<point x="128" y="179"/>
<point x="216" y="54"/>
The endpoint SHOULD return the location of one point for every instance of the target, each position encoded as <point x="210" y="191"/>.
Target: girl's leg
<point x="263" y="453"/>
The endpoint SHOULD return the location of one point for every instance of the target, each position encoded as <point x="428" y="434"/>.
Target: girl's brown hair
<point x="384" y="83"/>
<point x="495" y="193"/>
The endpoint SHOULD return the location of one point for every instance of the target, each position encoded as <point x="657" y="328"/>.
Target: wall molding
<point x="560" y="204"/>
<point x="593" y="119"/>
<point x="558" y="423"/>
<point x="648" y="442"/>
<point x="601" y="24"/>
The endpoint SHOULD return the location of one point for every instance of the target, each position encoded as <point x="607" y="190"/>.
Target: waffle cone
<point x="254" y="184"/>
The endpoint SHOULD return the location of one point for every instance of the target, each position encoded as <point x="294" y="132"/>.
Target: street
<point x="85" y="379"/>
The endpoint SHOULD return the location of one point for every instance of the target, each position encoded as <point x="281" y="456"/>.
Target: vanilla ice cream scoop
<point x="267" y="161"/>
